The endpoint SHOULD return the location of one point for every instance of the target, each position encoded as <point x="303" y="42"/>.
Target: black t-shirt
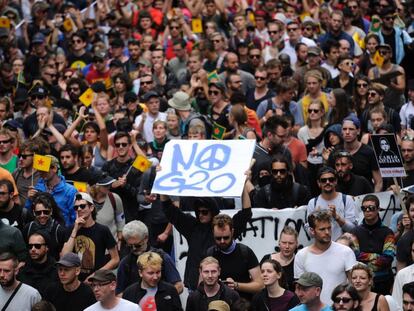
<point x="356" y="186"/>
<point x="78" y="300"/>
<point x="91" y="244"/>
<point x="364" y="162"/>
<point x="17" y="217"/>
<point x="409" y="180"/>
<point x="83" y="175"/>
<point x="84" y="59"/>
<point x="237" y="264"/>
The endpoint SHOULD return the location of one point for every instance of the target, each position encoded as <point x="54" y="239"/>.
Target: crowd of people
<point x="93" y="85"/>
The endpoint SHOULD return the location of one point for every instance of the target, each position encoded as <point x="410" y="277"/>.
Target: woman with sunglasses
<point x="47" y="217"/>
<point x="360" y="94"/>
<point x="344" y="80"/>
<point x="345" y="298"/>
<point x="362" y="279"/>
<point x="273" y="297"/>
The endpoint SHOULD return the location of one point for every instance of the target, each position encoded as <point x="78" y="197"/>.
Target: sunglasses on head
<point x="80" y="206"/>
<point x="35" y="245"/>
<point x="45" y="212"/>
<point x="343" y="299"/>
<point x="328" y="179"/>
<point x="368" y="208"/>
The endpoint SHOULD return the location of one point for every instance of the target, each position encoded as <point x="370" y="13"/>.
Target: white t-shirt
<point x="347" y="212"/>
<point x="331" y="266"/>
<point x="406" y="114"/>
<point x="149" y="121"/>
<point x="123" y="305"/>
<point x="24" y="299"/>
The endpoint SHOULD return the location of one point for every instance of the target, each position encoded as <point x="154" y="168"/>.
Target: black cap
<point x="98" y="87"/>
<point x="117" y="43"/>
<point x="149" y="94"/>
<point x="103" y="276"/>
<point x="39" y="90"/>
<point x="116" y="63"/>
<point x="20" y="96"/>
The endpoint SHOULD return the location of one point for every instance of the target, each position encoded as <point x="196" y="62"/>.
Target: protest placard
<point x="388" y="155"/>
<point x="204" y="168"/>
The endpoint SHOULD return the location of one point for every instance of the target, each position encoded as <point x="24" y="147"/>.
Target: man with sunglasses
<point x="40" y="268"/>
<point x="396" y="37"/>
<point x="283" y="191"/>
<point x="340" y="206"/>
<point x="239" y="265"/>
<point x="99" y="70"/>
<point x="374" y="245"/>
<point x="332" y="261"/>
<point x="394" y="87"/>
<point x="407" y="152"/>
<point x="136" y="234"/>
<point x="90" y="240"/>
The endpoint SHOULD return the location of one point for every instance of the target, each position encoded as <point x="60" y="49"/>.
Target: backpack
<point x="49" y="229"/>
<point x="343" y="200"/>
<point x="207" y="123"/>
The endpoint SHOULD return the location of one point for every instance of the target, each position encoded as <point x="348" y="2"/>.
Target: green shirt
<point x="11" y="165"/>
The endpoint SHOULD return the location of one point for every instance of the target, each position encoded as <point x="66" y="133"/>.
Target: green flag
<point x="218" y="131"/>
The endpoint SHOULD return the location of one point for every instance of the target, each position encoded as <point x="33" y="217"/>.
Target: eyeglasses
<point x="216" y="41"/>
<point x="213" y="92"/>
<point x="362" y="85"/>
<point x="328" y="179"/>
<point x="89" y="28"/>
<point x="203" y="212"/>
<point x="77" y="41"/>
<point x="292" y="29"/>
<point x="343" y="299"/>
<point x="282" y="171"/>
<point x="4" y="193"/>
<point x="34" y="97"/>
<point x="67" y="77"/>
<point x="373" y="94"/>
<point x="313" y="110"/>
<point x="35" y="245"/>
<point x="146" y="82"/>
<point x="272" y="32"/>
<point x="254" y="56"/>
<point x="308" y="28"/>
<point x="353" y="7"/>
<point x="73" y="89"/>
<point x="260" y="78"/>
<point x="25" y="156"/>
<point x="4" y="142"/>
<point x="45" y="212"/>
<point x="174" y="27"/>
<point x="80" y="206"/>
<point x="219" y="238"/>
<point x="119" y="145"/>
<point x="99" y="285"/>
<point x="383" y="52"/>
<point x="368" y="208"/>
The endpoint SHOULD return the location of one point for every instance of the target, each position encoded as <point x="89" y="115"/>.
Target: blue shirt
<point x="303" y="307"/>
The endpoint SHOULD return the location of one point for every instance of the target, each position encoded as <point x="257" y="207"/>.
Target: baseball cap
<point x="150" y="94"/>
<point x="218" y="85"/>
<point x="21" y="95"/>
<point x="38" y="38"/>
<point x="39" y="90"/>
<point x="63" y="103"/>
<point x="117" y="42"/>
<point x="309" y="279"/>
<point x="116" y="63"/>
<point x="105" y="180"/>
<point x="384" y="46"/>
<point x="69" y="260"/>
<point x="314" y="50"/>
<point x="218" y="305"/>
<point x="84" y="196"/>
<point x="103" y="276"/>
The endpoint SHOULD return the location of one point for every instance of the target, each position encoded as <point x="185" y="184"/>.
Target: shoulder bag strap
<point x="12" y="296"/>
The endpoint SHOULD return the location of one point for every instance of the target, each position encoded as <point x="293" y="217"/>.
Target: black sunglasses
<point x="45" y="212"/>
<point x="313" y="110"/>
<point x="35" y="245"/>
<point x="282" y="171"/>
<point x="203" y="212"/>
<point x="343" y="299"/>
<point x="25" y="156"/>
<point x="80" y="206"/>
<point x="328" y="179"/>
<point x="368" y="208"/>
<point x="119" y="145"/>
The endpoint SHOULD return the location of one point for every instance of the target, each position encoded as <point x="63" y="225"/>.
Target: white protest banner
<point x="388" y="155"/>
<point x="204" y="168"/>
